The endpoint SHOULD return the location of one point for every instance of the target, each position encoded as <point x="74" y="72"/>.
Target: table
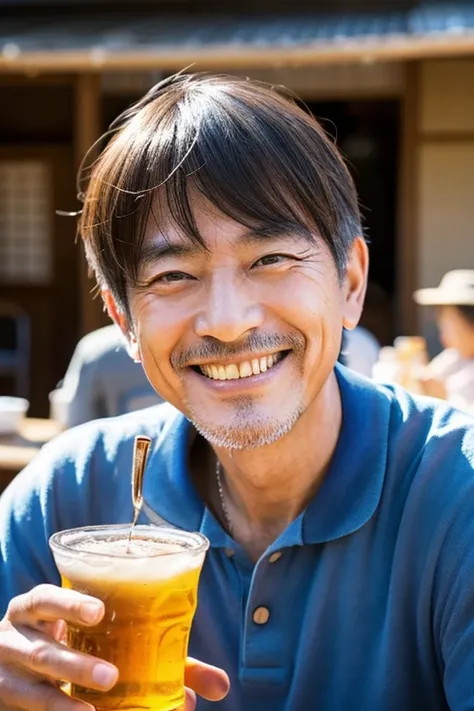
<point x="17" y="450"/>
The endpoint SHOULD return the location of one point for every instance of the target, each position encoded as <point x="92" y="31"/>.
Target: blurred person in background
<point x="450" y="375"/>
<point x="102" y="380"/>
<point x="360" y="350"/>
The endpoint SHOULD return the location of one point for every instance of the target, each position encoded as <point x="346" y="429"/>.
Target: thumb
<point x="207" y="681"/>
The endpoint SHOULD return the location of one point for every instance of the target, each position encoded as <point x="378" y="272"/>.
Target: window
<point x="25" y="229"/>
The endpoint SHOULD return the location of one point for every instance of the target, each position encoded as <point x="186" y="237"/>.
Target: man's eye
<point x="170" y="277"/>
<point x="270" y="259"/>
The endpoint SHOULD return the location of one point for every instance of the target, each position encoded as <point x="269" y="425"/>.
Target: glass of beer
<point x="148" y="583"/>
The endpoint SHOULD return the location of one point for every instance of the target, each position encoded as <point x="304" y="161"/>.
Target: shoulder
<point x="95" y="458"/>
<point x="426" y="425"/>
<point x="108" y="436"/>
<point x="428" y="441"/>
<point x="430" y="466"/>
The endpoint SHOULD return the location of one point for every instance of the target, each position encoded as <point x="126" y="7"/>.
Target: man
<point x="102" y="380"/>
<point x="224" y="231"/>
<point x="451" y="374"/>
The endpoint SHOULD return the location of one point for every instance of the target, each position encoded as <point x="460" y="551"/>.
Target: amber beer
<point x="149" y="588"/>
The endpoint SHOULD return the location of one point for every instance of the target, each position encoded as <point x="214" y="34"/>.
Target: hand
<point x="33" y="658"/>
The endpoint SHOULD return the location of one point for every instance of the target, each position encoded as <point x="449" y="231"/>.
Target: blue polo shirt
<point x="365" y="602"/>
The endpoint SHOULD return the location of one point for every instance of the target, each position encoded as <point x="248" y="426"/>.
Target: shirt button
<point x="274" y="557"/>
<point x="229" y="552"/>
<point x="261" y="615"/>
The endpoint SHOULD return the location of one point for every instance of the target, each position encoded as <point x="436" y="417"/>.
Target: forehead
<point x="214" y="231"/>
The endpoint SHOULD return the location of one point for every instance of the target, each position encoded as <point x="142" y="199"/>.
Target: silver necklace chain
<point x="225" y="510"/>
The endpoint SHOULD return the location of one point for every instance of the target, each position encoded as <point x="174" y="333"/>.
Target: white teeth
<point x="245" y="369"/>
<point x="242" y="370"/>
<point x="232" y="372"/>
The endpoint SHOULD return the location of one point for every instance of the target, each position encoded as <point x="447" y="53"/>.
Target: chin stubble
<point x="247" y="431"/>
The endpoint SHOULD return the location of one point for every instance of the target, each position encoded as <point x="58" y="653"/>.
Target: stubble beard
<point x="248" y="429"/>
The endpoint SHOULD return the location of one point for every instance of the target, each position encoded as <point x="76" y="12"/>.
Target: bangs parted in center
<point x="265" y="168"/>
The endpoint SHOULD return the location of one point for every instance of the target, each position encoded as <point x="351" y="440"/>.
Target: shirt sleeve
<point x="75" y="480"/>
<point x="25" y="558"/>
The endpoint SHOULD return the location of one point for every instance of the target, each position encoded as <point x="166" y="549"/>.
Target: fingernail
<point x="90" y="611"/>
<point x="224" y="688"/>
<point x="104" y="675"/>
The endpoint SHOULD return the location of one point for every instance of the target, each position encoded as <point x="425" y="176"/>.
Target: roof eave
<point x="366" y="50"/>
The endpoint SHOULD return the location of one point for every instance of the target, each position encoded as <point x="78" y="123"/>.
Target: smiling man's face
<point x="241" y="336"/>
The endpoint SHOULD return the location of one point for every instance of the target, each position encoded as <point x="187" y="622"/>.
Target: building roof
<point x="155" y="40"/>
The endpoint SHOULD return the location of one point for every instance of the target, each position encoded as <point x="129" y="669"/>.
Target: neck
<point x="267" y="488"/>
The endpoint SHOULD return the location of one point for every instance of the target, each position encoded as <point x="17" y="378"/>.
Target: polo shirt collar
<point x="169" y="494"/>
<point x="346" y="500"/>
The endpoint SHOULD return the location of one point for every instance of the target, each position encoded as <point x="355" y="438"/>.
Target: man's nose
<point x="230" y="310"/>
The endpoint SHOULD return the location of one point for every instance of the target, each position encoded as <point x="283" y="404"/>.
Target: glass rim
<point x="201" y="543"/>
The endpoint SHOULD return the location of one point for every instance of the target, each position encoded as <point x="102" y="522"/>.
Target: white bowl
<point x="12" y="411"/>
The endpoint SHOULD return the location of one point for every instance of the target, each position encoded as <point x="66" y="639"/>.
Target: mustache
<point x="210" y="348"/>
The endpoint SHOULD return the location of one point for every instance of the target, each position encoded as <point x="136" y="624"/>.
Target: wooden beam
<point x="447" y="137"/>
<point x="234" y="56"/>
<point x="406" y="321"/>
<point x="87" y="130"/>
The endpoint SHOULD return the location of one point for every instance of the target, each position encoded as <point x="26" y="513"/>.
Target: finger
<point x="38" y="654"/>
<point x="190" y="702"/>
<point x="49" y="603"/>
<point x="22" y="694"/>
<point x="57" y="630"/>
<point x="207" y="681"/>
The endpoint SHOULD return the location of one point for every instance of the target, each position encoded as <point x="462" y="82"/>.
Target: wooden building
<point x="392" y="81"/>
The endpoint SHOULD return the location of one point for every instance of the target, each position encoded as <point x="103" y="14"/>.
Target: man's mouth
<point x="243" y="369"/>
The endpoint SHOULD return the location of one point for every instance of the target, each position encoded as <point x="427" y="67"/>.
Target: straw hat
<point x="456" y="288"/>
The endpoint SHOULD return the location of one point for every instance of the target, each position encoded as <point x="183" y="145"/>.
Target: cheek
<point x="310" y="296"/>
<point x="158" y="329"/>
<point x="315" y="310"/>
<point x="448" y="334"/>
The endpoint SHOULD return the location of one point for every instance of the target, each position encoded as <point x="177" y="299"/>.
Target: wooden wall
<point x="445" y="170"/>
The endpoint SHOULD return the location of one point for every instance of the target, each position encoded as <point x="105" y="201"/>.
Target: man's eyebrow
<point x="265" y="233"/>
<point x="159" y="247"/>
<point x="156" y="249"/>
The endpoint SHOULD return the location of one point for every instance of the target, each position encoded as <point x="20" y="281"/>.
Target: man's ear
<point x="119" y="318"/>
<point x="355" y="282"/>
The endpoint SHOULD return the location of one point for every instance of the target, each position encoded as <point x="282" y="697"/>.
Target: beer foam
<point x="136" y="547"/>
<point x="145" y="559"/>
